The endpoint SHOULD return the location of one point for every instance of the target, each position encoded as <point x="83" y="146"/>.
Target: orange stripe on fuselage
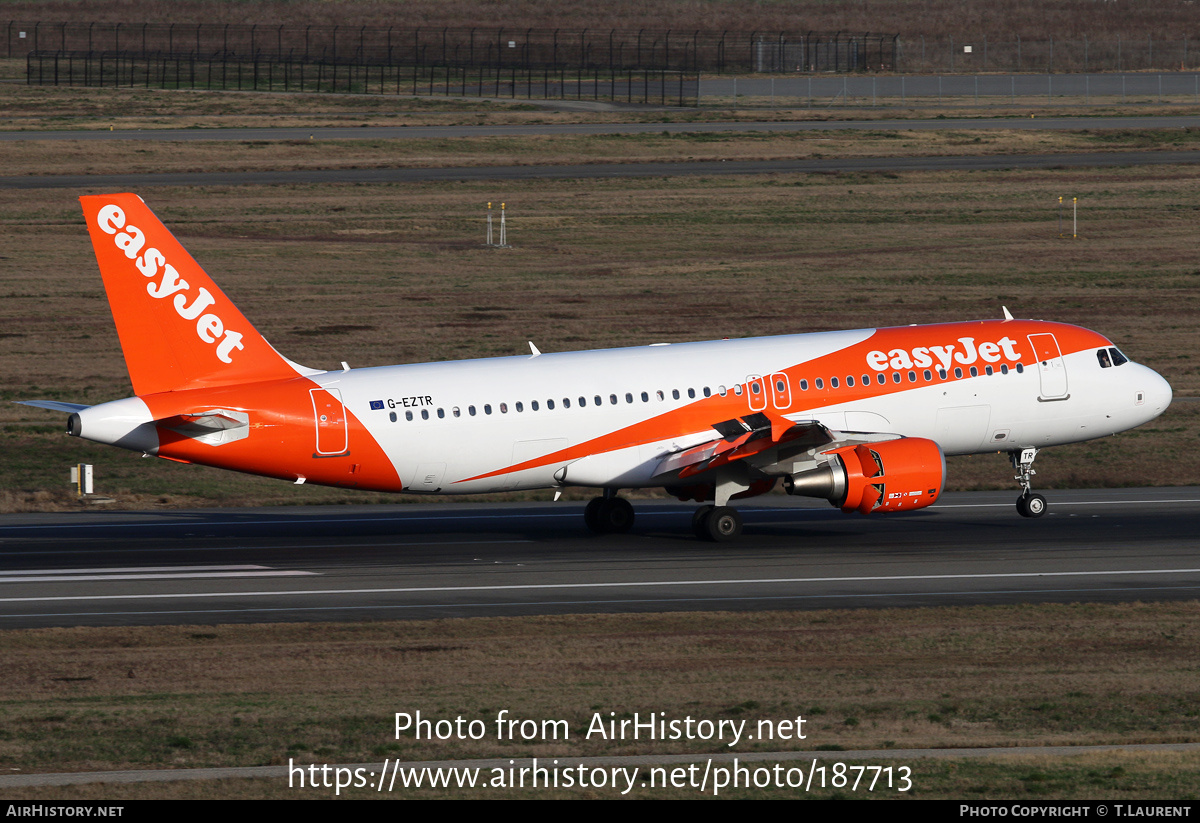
<point x="915" y="342"/>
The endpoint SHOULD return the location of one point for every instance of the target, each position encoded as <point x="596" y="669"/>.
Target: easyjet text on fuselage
<point x="964" y="352"/>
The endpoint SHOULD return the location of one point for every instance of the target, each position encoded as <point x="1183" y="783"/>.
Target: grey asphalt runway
<point x="412" y="561"/>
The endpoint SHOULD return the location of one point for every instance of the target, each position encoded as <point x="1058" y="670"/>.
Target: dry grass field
<point x="931" y="18"/>
<point x="99" y="699"/>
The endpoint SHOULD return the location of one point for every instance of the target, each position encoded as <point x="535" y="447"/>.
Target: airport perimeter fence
<point x="187" y="71"/>
<point x="530" y="49"/>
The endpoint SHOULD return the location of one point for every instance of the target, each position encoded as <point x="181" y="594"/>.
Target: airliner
<point x="863" y="418"/>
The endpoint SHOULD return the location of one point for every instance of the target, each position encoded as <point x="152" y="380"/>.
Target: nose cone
<point x="1156" y="390"/>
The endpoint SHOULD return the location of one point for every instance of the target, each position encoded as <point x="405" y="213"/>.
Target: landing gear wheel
<point x="724" y="524"/>
<point x="591" y="514"/>
<point x="608" y="515"/>
<point x="700" y="521"/>
<point x="616" y="516"/>
<point x="1031" y="505"/>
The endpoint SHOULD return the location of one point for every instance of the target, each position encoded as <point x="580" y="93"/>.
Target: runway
<point x="413" y="561"/>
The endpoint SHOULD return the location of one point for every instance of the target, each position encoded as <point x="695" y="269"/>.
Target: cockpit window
<point x="1110" y="357"/>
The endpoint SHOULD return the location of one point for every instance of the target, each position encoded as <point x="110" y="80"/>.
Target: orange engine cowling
<point x="893" y="476"/>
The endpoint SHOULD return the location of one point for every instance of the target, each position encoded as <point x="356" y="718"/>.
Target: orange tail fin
<point x="177" y="329"/>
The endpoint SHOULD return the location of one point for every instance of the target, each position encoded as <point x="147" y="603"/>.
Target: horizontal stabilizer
<point x="54" y="405"/>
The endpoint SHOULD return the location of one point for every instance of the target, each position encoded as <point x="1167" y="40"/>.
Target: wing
<point x="770" y="446"/>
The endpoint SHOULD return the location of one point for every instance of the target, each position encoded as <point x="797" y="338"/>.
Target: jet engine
<point x="892" y="476"/>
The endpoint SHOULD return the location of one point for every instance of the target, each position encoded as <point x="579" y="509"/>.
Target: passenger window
<point x="566" y="402"/>
<point x="471" y="410"/>
<point x="392" y="416"/>
<point x="927" y="375"/>
<point x="674" y="394"/>
<point x="550" y="404"/>
<point x="533" y="405"/>
<point x="628" y="397"/>
<point x="424" y="414"/>
<point x="833" y="382"/>
<point x="880" y="379"/>
<point x="487" y="408"/>
<point x="441" y="414"/>
<point x="803" y="385"/>
<point x="1020" y="368"/>
<point x="958" y="371"/>
<point x="612" y="400"/>
<point x="660" y="395"/>
<point x="820" y="384"/>
<point x="691" y="394"/>
<point x="707" y="393"/>
<point x="1004" y="368"/>
<point x="849" y="381"/>
<point x="912" y="377"/>
<point x="974" y="372"/>
<point x="504" y="408"/>
<point x="456" y="412"/>
<point x="599" y="402"/>
<point x="645" y="397"/>
<point x="408" y="415"/>
<point x="520" y="406"/>
<point x="895" y="377"/>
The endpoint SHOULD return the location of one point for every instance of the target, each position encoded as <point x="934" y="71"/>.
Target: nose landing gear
<point x="1029" y="504"/>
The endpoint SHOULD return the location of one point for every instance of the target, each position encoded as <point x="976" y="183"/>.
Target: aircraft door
<point x="758" y="392"/>
<point x="781" y="392"/>
<point x="1052" y="371"/>
<point x="330" y="417"/>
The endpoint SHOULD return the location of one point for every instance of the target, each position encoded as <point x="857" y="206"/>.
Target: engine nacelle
<point x="893" y="476"/>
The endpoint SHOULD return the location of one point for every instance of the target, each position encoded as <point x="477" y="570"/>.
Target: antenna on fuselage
<point x="1007" y="313"/>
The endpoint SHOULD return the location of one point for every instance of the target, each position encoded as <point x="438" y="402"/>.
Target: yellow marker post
<point x="1060" y="216"/>
<point x="1074" y="217"/>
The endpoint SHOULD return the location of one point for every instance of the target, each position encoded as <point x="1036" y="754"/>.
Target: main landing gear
<point x="614" y="515"/>
<point x="717" y="523"/>
<point x="609" y="514"/>
<point x="1029" y="504"/>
